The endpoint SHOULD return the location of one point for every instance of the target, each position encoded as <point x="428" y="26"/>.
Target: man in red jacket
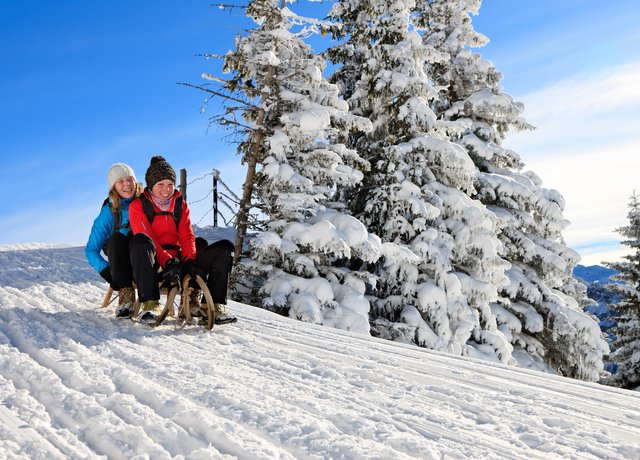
<point x="164" y="246"/>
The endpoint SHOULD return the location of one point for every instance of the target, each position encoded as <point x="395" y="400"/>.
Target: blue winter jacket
<point x="101" y="231"/>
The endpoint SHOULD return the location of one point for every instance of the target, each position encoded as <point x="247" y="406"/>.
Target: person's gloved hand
<point x="192" y="269"/>
<point x="172" y="273"/>
<point x="106" y="275"/>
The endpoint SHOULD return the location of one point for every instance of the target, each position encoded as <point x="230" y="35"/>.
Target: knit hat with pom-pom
<point x="117" y="172"/>
<point x="159" y="169"/>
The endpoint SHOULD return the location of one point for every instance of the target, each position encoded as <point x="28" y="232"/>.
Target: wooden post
<point x="215" y="173"/>
<point x="183" y="184"/>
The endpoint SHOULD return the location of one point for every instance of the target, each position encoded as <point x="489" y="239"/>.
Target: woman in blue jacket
<point x="111" y="234"/>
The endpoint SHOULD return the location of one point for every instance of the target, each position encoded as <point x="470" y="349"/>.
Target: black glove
<point x="192" y="269"/>
<point x="106" y="275"/>
<point x="172" y="273"/>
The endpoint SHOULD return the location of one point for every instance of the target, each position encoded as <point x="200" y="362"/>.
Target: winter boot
<point x="195" y="303"/>
<point x="195" y="308"/>
<point x="221" y="315"/>
<point x="126" y="298"/>
<point x="149" y="311"/>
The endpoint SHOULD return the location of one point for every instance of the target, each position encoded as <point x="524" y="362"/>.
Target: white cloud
<point x="587" y="146"/>
<point x="603" y="253"/>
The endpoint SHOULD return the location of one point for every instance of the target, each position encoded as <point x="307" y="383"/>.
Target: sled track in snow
<point x="431" y="374"/>
<point x="128" y="411"/>
<point x="76" y="382"/>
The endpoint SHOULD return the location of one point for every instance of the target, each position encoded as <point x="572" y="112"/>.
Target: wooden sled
<point x="185" y="309"/>
<point x="171" y="294"/>
<point x="108" y="298"/>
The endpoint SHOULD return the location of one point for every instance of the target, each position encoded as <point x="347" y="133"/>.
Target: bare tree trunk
<point x="252" y="162"/>
<point x="247" y="191"/>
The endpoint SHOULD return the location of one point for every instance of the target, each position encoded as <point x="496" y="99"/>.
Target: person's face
<point x="125" y="187"/>
<point x="163" y="189"/>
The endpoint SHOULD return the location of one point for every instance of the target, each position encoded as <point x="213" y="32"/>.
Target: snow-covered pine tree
<point x="540" y="310"/>
<point x="295" y="125"/>
<point x="439" y="278"/>
<point x="626" y="347"/>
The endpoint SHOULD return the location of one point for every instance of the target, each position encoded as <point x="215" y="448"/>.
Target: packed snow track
<point x="77" y="383"/>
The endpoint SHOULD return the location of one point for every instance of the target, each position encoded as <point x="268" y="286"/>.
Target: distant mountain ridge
<point x="597" y="278"/>
<point x="594" y="273"/>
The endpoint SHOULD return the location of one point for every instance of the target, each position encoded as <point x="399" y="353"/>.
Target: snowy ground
<point x="77" y="383"/>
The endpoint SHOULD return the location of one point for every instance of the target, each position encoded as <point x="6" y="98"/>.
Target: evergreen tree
<point x="627" y="311"/>
<point x="540" y="309"/>
<point x="294" y="126"/>
<point x="438" y="280"/>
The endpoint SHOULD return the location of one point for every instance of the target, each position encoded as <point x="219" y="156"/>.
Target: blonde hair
<point x="115" y="198"/>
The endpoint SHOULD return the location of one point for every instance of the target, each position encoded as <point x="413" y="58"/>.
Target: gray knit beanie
<point x="117" y="172"/>
<point x="159" y="170"/>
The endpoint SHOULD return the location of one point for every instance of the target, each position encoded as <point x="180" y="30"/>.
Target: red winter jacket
<point x="163" y="231"/>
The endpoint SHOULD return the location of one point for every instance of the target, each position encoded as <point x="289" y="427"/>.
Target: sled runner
<point x="184" y="310"/>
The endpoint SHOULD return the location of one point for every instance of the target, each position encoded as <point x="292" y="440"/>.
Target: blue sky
<point x="86" y="84"/>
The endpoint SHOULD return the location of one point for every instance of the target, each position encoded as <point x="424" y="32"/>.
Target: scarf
<point x="163" y="204"/>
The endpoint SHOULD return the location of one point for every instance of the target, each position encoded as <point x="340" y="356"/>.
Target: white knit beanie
<point x="118" y="171"/>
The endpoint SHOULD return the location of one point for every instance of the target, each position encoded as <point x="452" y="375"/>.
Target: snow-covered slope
<point x="77" y="383"/>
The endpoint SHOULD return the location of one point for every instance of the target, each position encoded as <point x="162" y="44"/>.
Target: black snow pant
<point x="145" y="267"/>
<point x="118" y="250"/>
<point x="215" y="260"/>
